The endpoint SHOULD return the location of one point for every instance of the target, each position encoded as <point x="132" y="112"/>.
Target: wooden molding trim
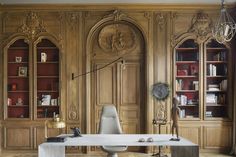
<point x="84" y="7"/>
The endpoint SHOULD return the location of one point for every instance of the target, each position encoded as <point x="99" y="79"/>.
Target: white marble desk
<point x="182" y="148"/>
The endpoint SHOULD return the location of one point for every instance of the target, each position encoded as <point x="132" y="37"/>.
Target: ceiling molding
<point x="187" y="2"/>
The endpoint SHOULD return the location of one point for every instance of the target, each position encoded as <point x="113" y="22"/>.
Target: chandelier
<point x="225" y="28"/>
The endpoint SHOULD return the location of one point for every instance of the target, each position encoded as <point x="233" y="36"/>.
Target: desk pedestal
<point x="185" y="151"/>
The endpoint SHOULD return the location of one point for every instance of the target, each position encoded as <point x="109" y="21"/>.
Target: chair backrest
<point x="109" y="121"/>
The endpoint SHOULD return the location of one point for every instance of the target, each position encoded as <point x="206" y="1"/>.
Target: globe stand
<point x="159" y="123"/>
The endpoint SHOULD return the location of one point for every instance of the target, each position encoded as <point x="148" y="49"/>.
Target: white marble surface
<point x="122" y="139"/>
<point x="50" y="149"/>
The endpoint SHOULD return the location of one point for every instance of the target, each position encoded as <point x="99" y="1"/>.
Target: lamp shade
<point x="55" y="123"/>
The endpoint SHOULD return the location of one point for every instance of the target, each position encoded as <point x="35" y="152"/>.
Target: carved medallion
<point x="117" y="38"/>
<point x="72" y="112"/>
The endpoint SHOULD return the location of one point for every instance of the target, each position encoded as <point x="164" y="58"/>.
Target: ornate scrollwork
<point x="117" y="38"/>
<point x="32" y="25"/>
<point x="201" y="25"/>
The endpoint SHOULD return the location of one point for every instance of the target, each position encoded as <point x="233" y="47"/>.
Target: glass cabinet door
<point x="216" y="78"/>
<point x="18" y="80"/>
<point x="186" y="79"/>
<point x="47" y="79"/>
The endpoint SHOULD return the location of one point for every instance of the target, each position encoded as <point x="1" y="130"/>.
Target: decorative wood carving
<point x="201" y="26"/>
<point x="32" y="25"/>
<point x="117" y="15"/>
<point x="72" y="18"/>
<point x="161" y="115"/>
<point x="161" y="20"/>
<point x="73" y="112"/>
<point x="147" y="15"/>
<point x="117" y="39"/>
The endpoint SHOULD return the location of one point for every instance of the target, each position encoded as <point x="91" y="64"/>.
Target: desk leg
<point x="51" y="151"/>
<point x="184" y="151"/>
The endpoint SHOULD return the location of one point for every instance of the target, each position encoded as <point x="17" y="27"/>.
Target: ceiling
<point x="115" y="1"/>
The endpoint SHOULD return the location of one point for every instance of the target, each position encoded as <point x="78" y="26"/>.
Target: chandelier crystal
<point x="225" y="28"/>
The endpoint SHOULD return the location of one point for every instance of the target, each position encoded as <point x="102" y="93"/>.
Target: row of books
<point x="212" y="70"/>
<point x="221" y="56"/>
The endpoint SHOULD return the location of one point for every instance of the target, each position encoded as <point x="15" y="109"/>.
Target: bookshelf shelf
<point x="186" y="62"/>
<point x="187" y="91"/>
<point x="187" y="77"/>
<point x="188" y="105"/>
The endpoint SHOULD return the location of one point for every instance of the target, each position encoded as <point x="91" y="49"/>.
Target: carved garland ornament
<point x="32" y="25"/>
<point x="117" y="38"/>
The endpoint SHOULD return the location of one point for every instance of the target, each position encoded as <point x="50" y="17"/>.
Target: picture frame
<point x="43" y="57"/>
<point x="22" y="71"/>
<point x="18" y="59"/>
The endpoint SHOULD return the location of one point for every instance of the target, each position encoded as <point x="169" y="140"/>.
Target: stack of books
<point x="208" y="113"/>
<point x="211" y="98"/>
<point x="213" y="87"/>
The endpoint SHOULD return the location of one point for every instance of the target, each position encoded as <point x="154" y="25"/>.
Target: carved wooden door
<point x="119" y="85"/>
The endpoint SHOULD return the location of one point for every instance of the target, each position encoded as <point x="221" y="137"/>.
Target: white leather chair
<point x="110" y="124"/>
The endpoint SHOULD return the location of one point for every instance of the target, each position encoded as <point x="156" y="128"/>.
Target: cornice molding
<point x="86" y="7"/>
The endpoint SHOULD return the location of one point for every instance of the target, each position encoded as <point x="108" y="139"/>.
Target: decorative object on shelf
<point x="54" y="102"/>
<point x="13" y="86"/>
<point x="19" y="101"/>
<point x="55" y="123"/>
<point x="9" y="101"/>
<point x="22" y="71"/>
<point x="18" y="59"/>
<point x="225" y="28"/>
<point x="43" y="57"/>
<point x="46" y="99"/>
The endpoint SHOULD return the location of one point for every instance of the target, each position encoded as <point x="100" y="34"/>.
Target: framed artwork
<point x="18" y="59"/>
<point x="22" y="71"/>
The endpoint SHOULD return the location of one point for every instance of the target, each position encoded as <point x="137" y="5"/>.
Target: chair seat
<point x="114" y="148"/>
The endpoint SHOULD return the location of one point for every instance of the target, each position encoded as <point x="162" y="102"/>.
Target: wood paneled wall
<point x="74" y="27"/>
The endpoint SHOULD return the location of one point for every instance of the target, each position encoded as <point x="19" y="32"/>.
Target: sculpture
<point x="175" y="111"/>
